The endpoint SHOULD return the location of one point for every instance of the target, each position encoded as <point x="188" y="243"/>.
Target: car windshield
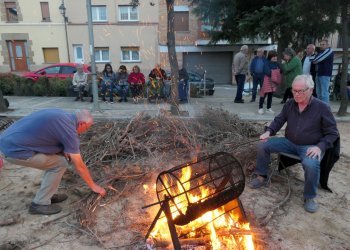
<point x="194" y="77"/>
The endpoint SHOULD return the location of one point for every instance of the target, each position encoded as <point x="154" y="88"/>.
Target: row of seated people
<point x="121" y="82"/>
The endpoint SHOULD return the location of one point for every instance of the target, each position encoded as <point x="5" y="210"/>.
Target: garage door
<point x="217" y="64"/>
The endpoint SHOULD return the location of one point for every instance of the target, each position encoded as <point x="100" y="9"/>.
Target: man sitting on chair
<point x="311" y="129"/>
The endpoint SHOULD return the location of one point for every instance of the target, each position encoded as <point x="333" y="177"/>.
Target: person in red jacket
<point x="136" y="80"/>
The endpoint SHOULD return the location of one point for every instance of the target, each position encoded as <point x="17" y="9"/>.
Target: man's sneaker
<point x="310" y="205"/>
<point x="57" y="198"/>
<point x="258" y="182"/>
<point x="44" y="209"/>
<point x="261" y="111"/>
<point x="270" y="111"/>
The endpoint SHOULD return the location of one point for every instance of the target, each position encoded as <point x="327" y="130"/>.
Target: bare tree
<point x="345" y="13"/>
<point x="174" y="66"/>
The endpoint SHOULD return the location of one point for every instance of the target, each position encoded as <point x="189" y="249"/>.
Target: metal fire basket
<point x="189" y="190"/>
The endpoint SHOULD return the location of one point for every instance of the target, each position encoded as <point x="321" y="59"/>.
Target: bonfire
<point x="127" y="156"/>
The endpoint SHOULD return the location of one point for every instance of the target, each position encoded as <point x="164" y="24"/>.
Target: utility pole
<point x="96" y="106"/>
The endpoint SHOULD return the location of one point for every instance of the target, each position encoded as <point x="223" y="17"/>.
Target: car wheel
<point x="211" y="92"/>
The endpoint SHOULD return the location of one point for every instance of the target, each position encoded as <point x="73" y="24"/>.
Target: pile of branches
<point x="113" y="149"/>
<point x="143" y="138"/>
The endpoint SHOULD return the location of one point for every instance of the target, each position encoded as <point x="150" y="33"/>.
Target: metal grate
<point x="196" y="188"/>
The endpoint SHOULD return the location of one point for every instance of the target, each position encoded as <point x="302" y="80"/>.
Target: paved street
<point x="223" y="98"/>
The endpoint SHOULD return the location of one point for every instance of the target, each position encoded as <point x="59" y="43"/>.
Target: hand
<point x="99" y="190"/>
<point x="265" y="136"/>
<point x="314" y="152"/>
<point x="67" y="156"/>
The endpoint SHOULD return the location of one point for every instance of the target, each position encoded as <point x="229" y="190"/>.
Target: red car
<point x="61" y="70"/>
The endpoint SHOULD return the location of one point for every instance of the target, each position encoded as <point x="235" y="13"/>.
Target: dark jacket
<point x="324" y="61"/>
<point x="183" y="74"/>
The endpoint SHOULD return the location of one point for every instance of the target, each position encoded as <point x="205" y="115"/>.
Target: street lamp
<point x="62" y="9"/>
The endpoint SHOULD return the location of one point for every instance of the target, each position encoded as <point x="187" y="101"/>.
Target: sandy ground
<point x="289" y="228"/>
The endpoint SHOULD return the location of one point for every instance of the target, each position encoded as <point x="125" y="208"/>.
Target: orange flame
<point x="226" y="222"/>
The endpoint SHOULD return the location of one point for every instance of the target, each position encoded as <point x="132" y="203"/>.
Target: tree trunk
<point x="3" y="106"/>
<point x="172" y="59"/>
<point x="345" y="58"/>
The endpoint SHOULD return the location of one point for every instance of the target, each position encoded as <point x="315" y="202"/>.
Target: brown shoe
<point x="44" y="209"/>
<point x="57" y="198"/>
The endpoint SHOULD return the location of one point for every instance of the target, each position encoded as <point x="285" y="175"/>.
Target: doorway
<point x="18" y="55"/>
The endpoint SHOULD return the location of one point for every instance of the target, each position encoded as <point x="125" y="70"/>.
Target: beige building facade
<point x="33" y="34"/>
<point x="123" y="35"/>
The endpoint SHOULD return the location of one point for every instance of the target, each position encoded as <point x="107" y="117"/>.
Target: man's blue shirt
<point x="48" y="131"/>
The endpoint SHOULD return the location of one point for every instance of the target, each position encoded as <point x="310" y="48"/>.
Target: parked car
<point x="60" y="70"/>
<point x="197" y="80"/>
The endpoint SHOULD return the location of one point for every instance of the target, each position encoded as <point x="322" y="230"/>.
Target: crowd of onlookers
<point x="123" y="84"/>
<point x="268" y="74"/>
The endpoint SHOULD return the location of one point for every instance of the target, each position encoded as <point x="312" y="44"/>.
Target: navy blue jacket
<point x="324" y="61"/>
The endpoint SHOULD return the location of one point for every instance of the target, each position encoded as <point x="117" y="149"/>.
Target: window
<point x="68" y="70"/>
<point x="128" y="13"/>
<point x="45" y="13"/>
<point x="99" y="13"/>
<point x="51" y="55"/>
<point x="207" y="25"/>
<point x="11" y="12"/>
<point x="49" y="70"/>
<point x="130" y="54"/>
<point x="181" y="22"/>
<point x="101" y="54"/>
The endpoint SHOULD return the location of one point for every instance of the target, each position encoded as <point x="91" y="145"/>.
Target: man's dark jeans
<point x="257" y="81"/>
<point x="240" y="80"/>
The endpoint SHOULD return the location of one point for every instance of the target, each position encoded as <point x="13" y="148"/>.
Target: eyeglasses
<point x="299" y="91"/>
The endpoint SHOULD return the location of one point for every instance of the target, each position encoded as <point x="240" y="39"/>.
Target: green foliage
<point x="59" y="87"/>
<point x="12" y="84"/>
<point x="292" y="21"/>
<point x="7" y="83"/>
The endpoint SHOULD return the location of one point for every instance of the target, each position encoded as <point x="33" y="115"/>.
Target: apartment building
<point x="37" y="33"/>
<point x="192" y="44"/>
<point x="31" y="33"/>
<point x="122" y="34"/>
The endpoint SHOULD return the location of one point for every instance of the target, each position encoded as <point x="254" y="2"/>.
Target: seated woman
<point x="122" y="83"/>
<point x="79" y="82"/>
<point x="108" y="80"/>
<point x="136" y="80"/>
